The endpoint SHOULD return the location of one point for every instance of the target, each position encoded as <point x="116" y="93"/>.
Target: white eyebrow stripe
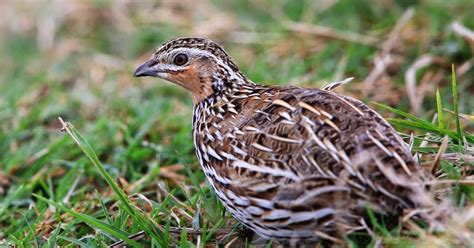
<point x="196" y="52"/>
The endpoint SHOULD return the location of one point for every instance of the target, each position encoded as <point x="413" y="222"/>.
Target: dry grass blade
<point x="188" y="208"/>
<point x="414" y="94"/>
<point x="383" y="59"/>
<point x="328" y="237"/>
<point x="463" y="116"/>
<point x="441" y="151"/>
<point x="463" y="31"/>
<point x="389" y="44"/>
<point x="415" y="228"/>
<point x="331" y="33"/>
<point x="458" y="232"/>
<point x="448" y="181"/>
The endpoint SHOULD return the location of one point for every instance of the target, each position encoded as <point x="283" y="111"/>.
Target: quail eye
<point x="180" y="59"/>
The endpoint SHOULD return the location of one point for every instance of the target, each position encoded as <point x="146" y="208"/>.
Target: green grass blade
<point x="54" y="237"/>
<point x="439" y="108"/>
<point x="183" y="243"/>
<point x="76" y="242"/>
<point x="404" y="114"/>
<point x="92" y="221"/>
<point x="104" y="209"/>
<point x="382" y="229"/>
<point x="455" y="104"/>
<point x="30" y="228"/>
<point x="420" y="124"/>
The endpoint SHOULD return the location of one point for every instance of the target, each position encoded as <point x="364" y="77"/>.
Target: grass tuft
<point x="143" y="221"/>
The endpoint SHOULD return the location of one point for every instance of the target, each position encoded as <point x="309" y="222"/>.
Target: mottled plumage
<point x="290" y="163"/>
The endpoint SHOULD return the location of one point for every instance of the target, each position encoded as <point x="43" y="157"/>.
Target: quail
<point x="290" y="163"/>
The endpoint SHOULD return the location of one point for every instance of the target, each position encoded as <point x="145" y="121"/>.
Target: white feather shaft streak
<point x="314" y="137"/>
<point x="283" y="104"/>
<point x="279" y="138"/>
<point x="265" y="169"/>
<point x="309" y="196"/>
<point x="379" y="144"/>
<point x="261" y="147"/>
<point x="309" y="107"/>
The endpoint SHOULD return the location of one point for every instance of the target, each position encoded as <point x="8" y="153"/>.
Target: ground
<point x="75" y="60"/>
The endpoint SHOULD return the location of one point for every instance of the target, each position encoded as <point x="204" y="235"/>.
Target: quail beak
<point x="144" y="70"/>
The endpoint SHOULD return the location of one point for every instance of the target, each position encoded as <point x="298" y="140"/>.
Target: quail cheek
<point x="192" y="80"/>
<point x="189" y="79"/>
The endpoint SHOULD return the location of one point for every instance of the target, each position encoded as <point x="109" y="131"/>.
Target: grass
<point x="128" y="165"/>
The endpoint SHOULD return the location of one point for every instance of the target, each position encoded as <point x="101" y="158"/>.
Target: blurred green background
<point x="75" y="59"/>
